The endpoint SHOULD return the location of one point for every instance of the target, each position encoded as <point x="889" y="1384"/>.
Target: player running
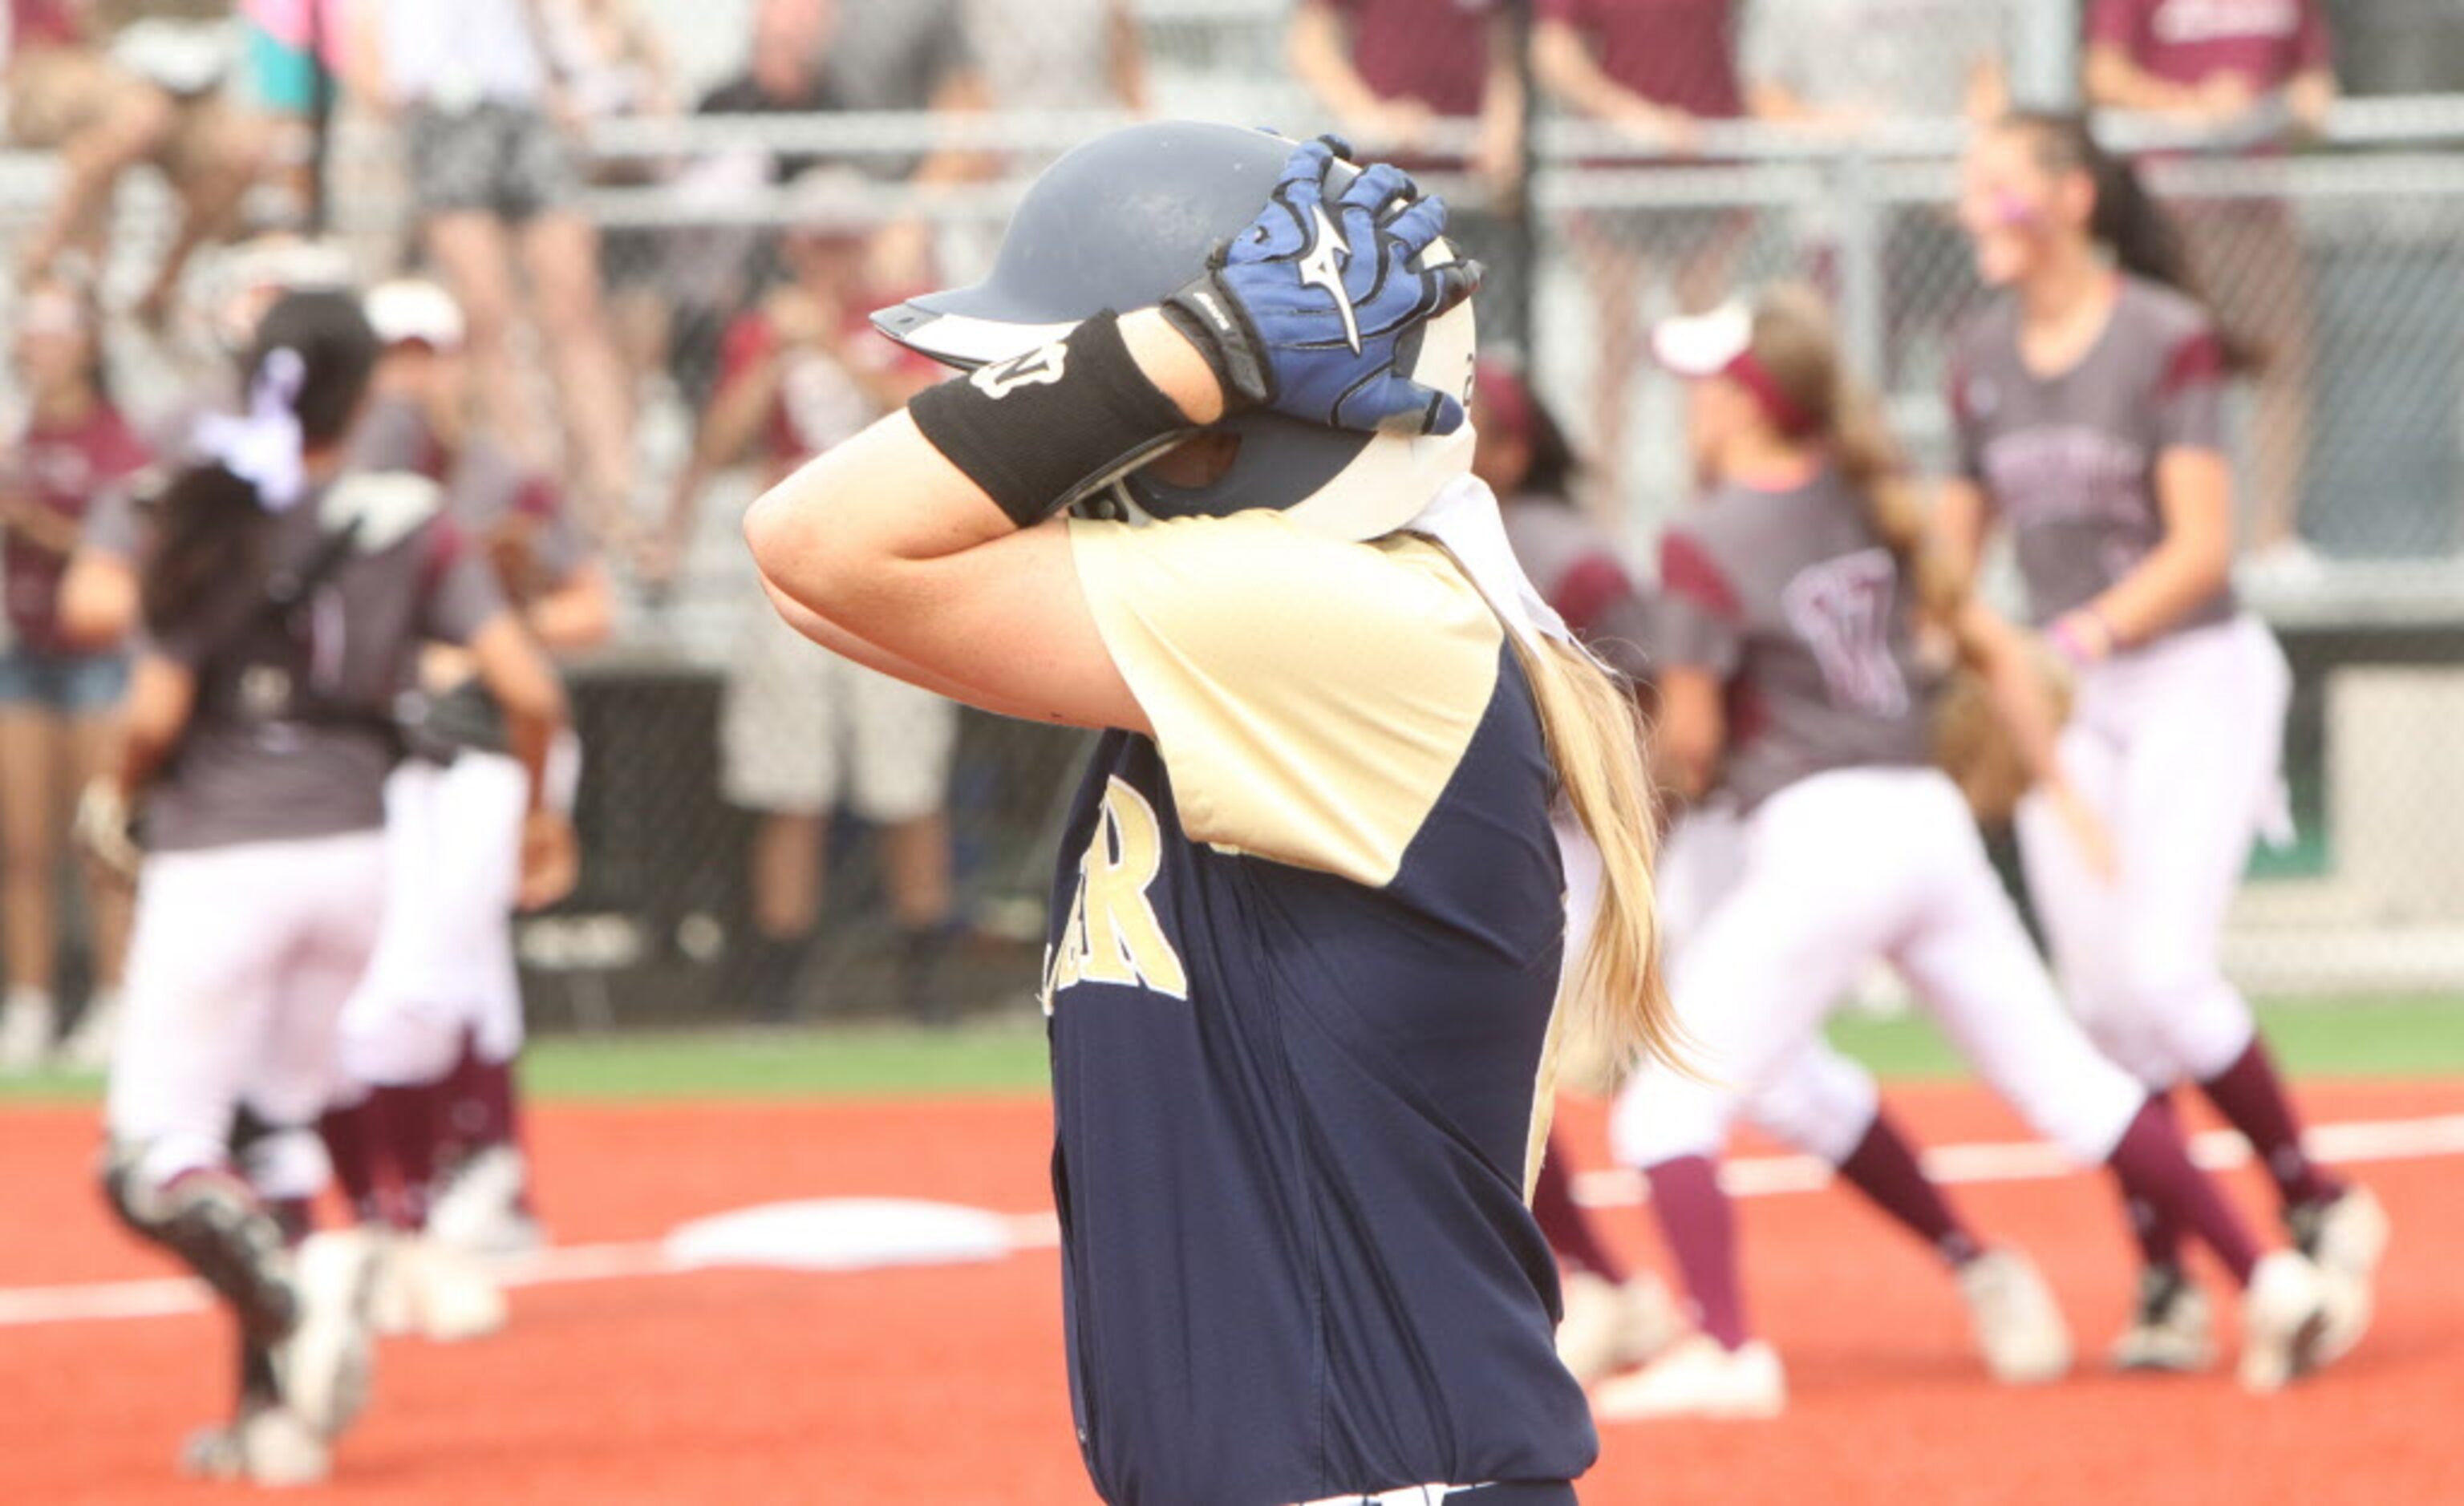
<point x="1306" y="934"/>
<point x="281" y="596"/>
<point x="2087" y="403"/>
<point x="1797" y="672"/>
<point x="1817" y="1100"/>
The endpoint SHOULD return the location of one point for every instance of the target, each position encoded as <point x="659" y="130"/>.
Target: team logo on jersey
<point x="1320" y="268"/>
<point x="1842" y="608"/>
<point x="1039" y="367"/>
<point x="1112" y="934"/>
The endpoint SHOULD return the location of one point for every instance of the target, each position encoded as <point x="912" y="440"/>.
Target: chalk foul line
<point x="1757" y="1176"/>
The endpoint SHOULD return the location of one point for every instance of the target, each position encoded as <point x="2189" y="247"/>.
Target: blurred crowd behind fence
<point x="1675" y="150"/>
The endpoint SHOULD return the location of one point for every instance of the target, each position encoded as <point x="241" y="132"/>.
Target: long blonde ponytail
<point x="1614" y="1008"/>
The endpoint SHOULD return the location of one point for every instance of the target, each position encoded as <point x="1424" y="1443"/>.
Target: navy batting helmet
<point x="1123" y="222"/>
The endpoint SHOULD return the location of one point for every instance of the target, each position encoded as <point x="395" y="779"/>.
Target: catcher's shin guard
<point x="210" y="1220"/>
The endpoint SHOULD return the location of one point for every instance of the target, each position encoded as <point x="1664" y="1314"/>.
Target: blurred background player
<point x="431" y="1037"/>
<point x="2086" y="404"/>
<point x="1806" y="634"/>
<point x="803" y="734"/>
<point x="1613" y="1317"/>
<point x="56" y="695"/>
<point x="1817" y="1100"/>
<point x="284" y="596"/>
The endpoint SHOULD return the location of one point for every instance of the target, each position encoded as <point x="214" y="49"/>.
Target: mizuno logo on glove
<point x="1319" y="268"/>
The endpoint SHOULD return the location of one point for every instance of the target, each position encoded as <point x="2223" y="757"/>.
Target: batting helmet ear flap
<point x="1125" y="221"/>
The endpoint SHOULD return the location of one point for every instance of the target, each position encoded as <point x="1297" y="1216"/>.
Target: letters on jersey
<point x="1112" y="934"/>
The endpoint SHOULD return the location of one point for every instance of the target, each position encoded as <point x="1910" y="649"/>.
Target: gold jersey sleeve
<point x="1311" y="699"/>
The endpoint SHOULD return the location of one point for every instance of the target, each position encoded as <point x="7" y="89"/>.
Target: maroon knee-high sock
<point x="2154" y="1226"/>
<point x="1566" y="1227"/>
<point x="1883" y="1167"/>
<point x="2251" y="1094"/>
<point x="354" y="1146"/>
<point x="2153" y="1167"/>
<point x="1702" y="1234"/>
<point x="405" y="1120"/>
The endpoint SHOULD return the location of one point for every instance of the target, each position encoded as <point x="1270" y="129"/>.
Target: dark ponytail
<point x="2128" y="221"/>
<point x="211" y="524"/>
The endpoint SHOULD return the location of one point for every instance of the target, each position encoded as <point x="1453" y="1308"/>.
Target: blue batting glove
<point x="1306" y="311"/>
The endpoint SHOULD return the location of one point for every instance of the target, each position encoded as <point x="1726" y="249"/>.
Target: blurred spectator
<point x="613" y="67"/>
<point x="803" y="732"/>
<point x="56" y="698"/>
<point x="911" y="55"/>
<point x="1061" y="55"/>
<point x="1392" y="72"/>
<point x="113" y="86"/>
<point x="1659" y="70"/>
<point x="493" y="183"/>
<point x="808" y="57"/>
<point x="1851" y="65"/>
<point x="2237" y="68"/>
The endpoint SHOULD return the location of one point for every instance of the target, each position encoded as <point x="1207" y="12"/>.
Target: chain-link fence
<point x="779" y="167"/>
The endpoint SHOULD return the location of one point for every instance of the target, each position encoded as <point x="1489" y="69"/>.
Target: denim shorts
<point x="67" y="685"/>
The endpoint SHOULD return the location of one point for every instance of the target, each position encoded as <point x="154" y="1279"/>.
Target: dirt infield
<point x="943" y="1385"/>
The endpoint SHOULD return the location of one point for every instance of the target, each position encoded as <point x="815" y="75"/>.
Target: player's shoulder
<point x="1699" y="556"/>
<point x="2167" y="316"/>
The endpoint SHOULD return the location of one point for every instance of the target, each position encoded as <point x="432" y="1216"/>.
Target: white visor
<point x="1703" y="345"/>
<point x="410" y="308"/>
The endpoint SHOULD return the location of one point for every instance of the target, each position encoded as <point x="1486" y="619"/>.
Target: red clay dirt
<point x="944" y="1385"/>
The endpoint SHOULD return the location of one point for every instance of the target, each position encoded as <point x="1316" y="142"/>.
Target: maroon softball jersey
<point x="1681" y="53"/>
<point x="2068" y="462"/>
<point x="2189" y="41"/>
<point x="71" y="471"/>
<point x="1575" y="566"/>
<point x="1432" y="51"/>
<point x="1794" y="602"/>
<point x="291" y="737"/>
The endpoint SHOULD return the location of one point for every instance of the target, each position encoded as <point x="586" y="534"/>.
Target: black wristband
<point x="1043" y="430"/>
<point x="1212" y="320"/>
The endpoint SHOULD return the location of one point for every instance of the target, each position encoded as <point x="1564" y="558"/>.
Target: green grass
<point x="2313" y="1037"/>
<point x="2410" y="1037"/>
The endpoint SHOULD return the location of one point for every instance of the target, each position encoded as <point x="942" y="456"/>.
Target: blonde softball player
<point x="2087" y="401"/>
<point x="282" y="595"/>
<point x="431" y="1036"/>
<point x="1800" y="609"/>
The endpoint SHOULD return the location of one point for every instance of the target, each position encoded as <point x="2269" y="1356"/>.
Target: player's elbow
<point x="819" y="569"/>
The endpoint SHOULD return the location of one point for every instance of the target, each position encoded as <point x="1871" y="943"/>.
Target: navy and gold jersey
<point x="1305" y="953"/>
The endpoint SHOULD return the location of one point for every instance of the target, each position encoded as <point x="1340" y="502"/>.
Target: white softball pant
<point x="1817" y="1100"/>
<point x="444" y="958"/>
<point x="2178" y="747"/>
<point x="1839" y="870"/>
<point x="239" y="965"/>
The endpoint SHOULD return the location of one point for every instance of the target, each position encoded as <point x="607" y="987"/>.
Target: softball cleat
<point x="325" y="1367"/>
<point x="270" y="1445"/>
<point x="2173" y="1328"/>
<point x="2018" y="1324"/>
<point x="1699" y="1377"/>
<point x="2296" y="1317"/>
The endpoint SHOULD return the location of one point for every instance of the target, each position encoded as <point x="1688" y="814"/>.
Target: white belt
<point x="1405" y="1496"/>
